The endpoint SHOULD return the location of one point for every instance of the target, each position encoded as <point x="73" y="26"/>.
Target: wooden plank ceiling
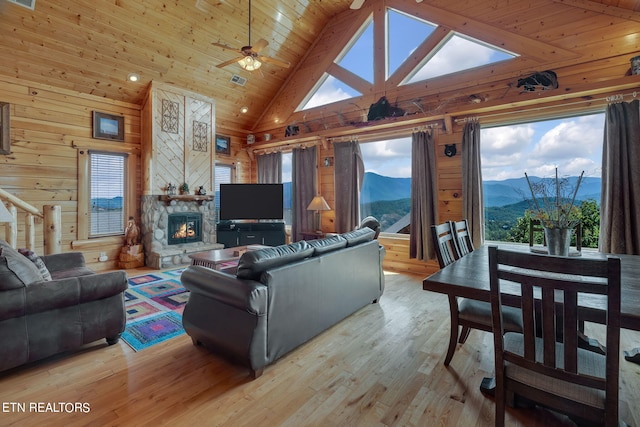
<point x="91" y="47"/>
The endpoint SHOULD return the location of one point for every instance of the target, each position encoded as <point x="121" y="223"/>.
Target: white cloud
<point x="506" y="140"/>
<point x="572" y="145"/>
<point x="388" y="158"/>
<point x="327" y="93"/>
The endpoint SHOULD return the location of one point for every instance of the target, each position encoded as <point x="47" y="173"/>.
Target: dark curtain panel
<point x="620" y="205"/>
<point x="472" y="201"/>
<point x="349" y="173"/>
<point x="303" y="177"/>
<point x="270" y="168"/>
<point x="424" y="196"/>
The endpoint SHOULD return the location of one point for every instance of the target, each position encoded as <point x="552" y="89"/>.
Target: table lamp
<point x="318" y="204"/>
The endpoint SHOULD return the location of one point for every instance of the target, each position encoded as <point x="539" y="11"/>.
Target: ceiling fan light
<point x="249" y="63"/>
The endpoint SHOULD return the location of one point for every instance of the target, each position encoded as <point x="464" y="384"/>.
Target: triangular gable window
<point x="328" y="90"/>
<point x="458" y="53"/>
<point x="359" y="57"/>
<point x="405" y="33"/>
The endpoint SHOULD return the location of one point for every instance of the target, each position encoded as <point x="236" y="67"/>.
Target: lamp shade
<point x="318" y="204"/>
<point x="5" y="215"/>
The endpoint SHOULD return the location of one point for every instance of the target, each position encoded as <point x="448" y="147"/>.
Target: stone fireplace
<point x="164" y="222"/>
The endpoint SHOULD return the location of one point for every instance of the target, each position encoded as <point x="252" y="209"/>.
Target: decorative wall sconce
<point x="450" y="150"/>
<point x="328" y="161"/>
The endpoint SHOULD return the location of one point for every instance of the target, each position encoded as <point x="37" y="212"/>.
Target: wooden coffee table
<point x="220" y="258"/>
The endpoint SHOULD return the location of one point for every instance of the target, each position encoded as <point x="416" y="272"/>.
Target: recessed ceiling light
<point x="244" y="109"/>
<point x="133" y="77"/>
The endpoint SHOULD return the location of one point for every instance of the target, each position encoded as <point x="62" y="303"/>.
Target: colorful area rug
<point x="154" y="303"/>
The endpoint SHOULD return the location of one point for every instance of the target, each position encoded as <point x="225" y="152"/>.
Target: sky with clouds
<point x="571" y="144"/>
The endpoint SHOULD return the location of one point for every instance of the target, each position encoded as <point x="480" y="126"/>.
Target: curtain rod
<point x="382" y="134"/>
<point x="283" y="147"/>
<point x="608" y="99"/>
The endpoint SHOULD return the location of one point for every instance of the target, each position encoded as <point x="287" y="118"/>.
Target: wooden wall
<point x="50" y="128"/>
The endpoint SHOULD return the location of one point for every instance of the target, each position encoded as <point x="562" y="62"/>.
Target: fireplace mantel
<point x="186" y="198"/>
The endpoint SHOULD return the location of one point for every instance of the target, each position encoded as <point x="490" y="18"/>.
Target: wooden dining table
<point x="468" y="277"/>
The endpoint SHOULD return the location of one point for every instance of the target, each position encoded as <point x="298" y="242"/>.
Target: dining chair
<point x="466" y="313"/>
<point x="443" y="239"/>
<point x="551" y="373"/>
<point x="462" y="237"/>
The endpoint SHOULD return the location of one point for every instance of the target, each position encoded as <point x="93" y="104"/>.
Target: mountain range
<point x="496" y="193"/>
<point x="376" y="188"/>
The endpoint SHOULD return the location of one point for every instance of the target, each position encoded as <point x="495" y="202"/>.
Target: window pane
<point x="107" y="194"/>
<point x="223" y="174"/>
<point x="405" y="33"/>
<point x="331" y="90"/>
<point x="359" y="59"/>
<point x="571" y="144"/>
<point x="458" y="54"/>
<point x="386" y="189"/>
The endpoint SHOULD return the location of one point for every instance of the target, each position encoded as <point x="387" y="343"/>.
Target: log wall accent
<point x="49" y="126"/>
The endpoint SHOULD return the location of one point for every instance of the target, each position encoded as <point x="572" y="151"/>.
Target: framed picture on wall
<point x="108" y="126"/>
<point x="223" y="144"/>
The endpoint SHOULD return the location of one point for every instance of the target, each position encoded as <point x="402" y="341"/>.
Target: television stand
<point x="232" y="234"/>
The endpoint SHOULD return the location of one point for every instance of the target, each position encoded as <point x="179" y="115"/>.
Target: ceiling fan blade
<point x="229" y="62"/>
<point x="261" y="44"/>
<point x="224" y="46"/>
<point x="357" y="4"/>
<point x="277" y="62"/>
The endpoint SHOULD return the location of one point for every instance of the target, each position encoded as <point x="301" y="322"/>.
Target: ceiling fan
<point x="250" y="58"/>
<point x="357" y="4"/>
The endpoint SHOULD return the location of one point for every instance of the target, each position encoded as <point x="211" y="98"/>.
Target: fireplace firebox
<point x="184" y="228"/>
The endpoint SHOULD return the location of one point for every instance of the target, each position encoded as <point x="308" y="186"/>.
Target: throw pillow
<point x="38" y="262"/>
<point x="23" y="269"/>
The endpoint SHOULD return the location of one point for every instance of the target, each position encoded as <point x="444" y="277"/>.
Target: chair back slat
<point x="443" y="239"/>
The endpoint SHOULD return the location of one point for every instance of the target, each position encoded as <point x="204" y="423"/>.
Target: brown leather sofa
<point x="40" y="318"/>
<point x="282" y="297"/>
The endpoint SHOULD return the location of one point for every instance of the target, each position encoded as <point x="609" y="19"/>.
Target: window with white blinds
<point x="108" y="183"/>
<point x="223" y="175"/>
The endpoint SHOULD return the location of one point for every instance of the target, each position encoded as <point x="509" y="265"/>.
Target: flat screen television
<point x="251" y="201"/>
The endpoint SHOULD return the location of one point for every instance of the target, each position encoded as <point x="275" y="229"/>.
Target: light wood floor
<point x="380" y="367"/>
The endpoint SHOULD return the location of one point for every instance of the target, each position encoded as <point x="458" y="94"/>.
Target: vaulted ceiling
<point x="91" y="47"/>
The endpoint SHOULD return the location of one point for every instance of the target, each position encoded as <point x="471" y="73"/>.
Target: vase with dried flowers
<point x="554" y="206"/>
